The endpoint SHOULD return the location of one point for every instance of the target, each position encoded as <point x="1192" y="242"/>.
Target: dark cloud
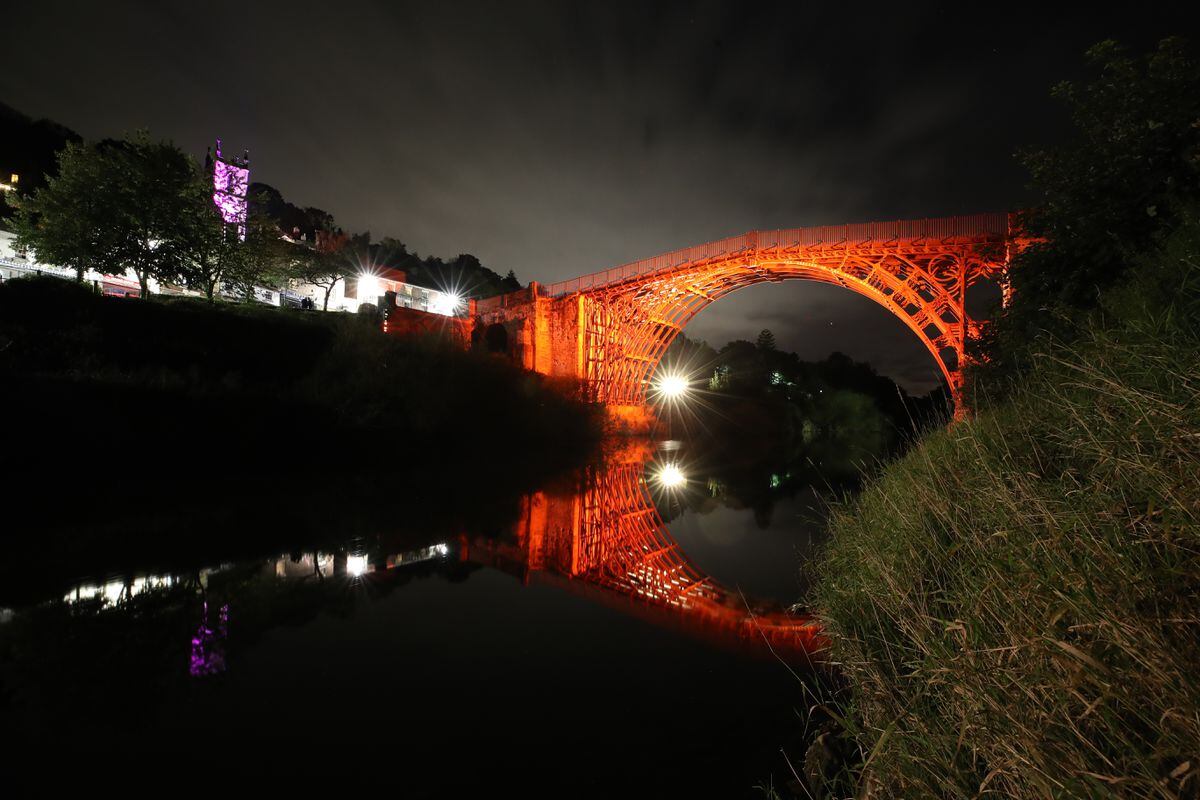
<point x="556" y="139"/>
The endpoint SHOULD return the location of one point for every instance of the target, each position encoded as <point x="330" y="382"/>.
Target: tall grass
<point x="1016" y="603"/>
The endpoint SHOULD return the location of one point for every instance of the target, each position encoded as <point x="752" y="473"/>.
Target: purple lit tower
<point x="231" y="179"/>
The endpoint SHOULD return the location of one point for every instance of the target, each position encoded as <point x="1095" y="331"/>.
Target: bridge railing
<point x="519" y="297"/>
<point x="972" y="227"/>
<point x="39" y="269"/>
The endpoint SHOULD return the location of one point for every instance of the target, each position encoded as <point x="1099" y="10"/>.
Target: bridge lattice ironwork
<point x="919" y="270"/>
<point x="625" y="547"/>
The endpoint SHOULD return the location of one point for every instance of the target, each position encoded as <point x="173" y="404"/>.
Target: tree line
<point x="831" y="395"/>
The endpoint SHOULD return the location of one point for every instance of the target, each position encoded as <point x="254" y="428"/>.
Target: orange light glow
<point x="919" y="270"/>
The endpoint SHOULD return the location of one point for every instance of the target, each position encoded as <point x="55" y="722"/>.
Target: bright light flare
<point x="670" y="476"/>
<point x="446" y="304"/>
<point x="672" y="386"/>
<point x="356" y="566"/>
<point x="368" y="287"/>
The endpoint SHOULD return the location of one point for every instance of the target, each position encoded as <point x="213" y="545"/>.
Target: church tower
<point x="231" y="180"/>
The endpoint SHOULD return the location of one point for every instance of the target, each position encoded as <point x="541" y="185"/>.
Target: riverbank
<point x="1015" y="605"/>
<point x="116" y="408"/>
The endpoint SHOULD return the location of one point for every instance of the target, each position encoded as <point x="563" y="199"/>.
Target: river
<point x="625" y="631"/>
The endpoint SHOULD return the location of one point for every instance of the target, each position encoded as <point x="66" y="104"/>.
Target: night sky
<point x="555" y="139"/>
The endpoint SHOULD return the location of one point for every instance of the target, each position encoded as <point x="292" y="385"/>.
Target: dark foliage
<point x="29" y="148"/>
<point x="1103" y="196"/>
<point x="463" y="274"/>
<point x="752" y="387"/>
<point x="169" y="399"/>
<point x="293" y="220"/>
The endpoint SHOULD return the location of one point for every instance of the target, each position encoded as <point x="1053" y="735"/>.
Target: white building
<point x="347" y="294"/>
<point x="16" y="263"/>
<point x="372" y="287"/>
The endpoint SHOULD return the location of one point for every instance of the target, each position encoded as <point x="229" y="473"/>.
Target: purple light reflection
<point x="208" y="645"/>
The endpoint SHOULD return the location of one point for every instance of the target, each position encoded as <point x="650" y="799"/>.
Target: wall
<point x="409" y="322"/>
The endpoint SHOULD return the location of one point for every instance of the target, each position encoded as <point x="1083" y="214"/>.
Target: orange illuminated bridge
<point x="610" y="329"/>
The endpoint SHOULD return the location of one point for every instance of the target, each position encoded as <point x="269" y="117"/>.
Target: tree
<point x="262" y="259"/>
<point x="326" y="263"/>
<point x="688" y="355"/>
<point x="765" y="341"/>
<point x="114" y="205"/>
<point x="744" y="372"/>
<point x="463" y="274"/>
<point x="150" y="192"/>
<point x="1105" y="195"/>
<point x="209" y="246"/>
<point x="72" y="221"/>
<point x="213" y="253"/>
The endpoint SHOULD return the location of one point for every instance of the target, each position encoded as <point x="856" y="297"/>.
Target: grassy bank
<point x="1015" y="605"/>
<point x="339" y="367"/>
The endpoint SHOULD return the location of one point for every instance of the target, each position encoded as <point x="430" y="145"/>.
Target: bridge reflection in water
<point x="606" y="540"/>
<point x="600" y="536"/>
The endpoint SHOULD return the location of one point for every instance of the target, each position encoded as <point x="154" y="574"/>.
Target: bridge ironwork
<point x="919" y="270"/>
<point x="608" y="541"/>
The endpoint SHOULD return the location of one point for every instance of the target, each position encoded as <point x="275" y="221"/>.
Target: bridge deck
<point x="968" y="229"/>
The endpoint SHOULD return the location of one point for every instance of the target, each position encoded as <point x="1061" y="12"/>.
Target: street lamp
<point x="368" y="287"/>
<point x="671" y="389"/>
<point x="672" y="386"/>
<point x="670" y="476"/>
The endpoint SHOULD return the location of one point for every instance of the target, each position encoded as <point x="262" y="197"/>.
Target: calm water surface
<point x="612" y="638"/>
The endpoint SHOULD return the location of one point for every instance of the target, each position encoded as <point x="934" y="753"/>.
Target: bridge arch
<point x="611" y="329"/>
<point x="919" y="271"/>
<point x="605" y="538"/>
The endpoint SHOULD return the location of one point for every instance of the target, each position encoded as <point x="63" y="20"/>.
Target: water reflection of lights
<point x="119" y="590"/>
<point x="414" y="556"/>
<point x="113" y="592"/>
<point x="357" y="566"/>
<point x="208" y="644"/>
<point x="308" y="564"/>
<point x="323" y="565"/>
<point x="670" y="476"/>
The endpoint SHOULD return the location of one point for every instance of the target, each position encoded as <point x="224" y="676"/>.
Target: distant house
<point x="374" y="288"/>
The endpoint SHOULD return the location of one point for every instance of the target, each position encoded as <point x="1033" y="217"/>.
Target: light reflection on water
<point x="208" y="644"/>
<point x="607" y="534"/>
<point x="113" y="593"/>
<point x="611" y="572"/>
